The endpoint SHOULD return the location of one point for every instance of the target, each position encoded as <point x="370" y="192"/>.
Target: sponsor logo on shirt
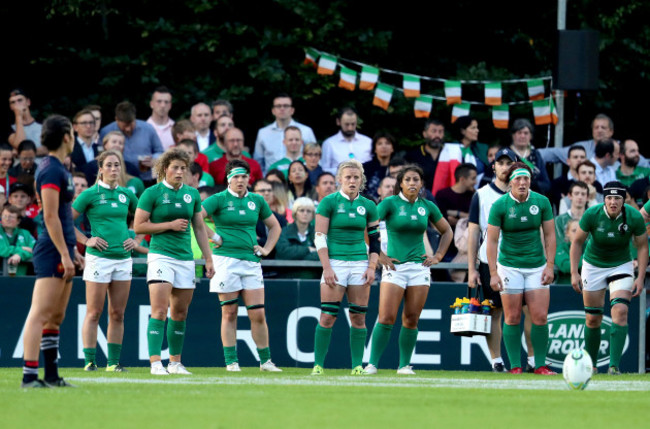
<point x="251" y="205"/>
<point x="166" y="198"/>
<point x="402" y="211"/>
<point x="600" y="229"/>
<point x="524" y="218"/>
<point x="230" y="206"/>
<point x="187" y="198"/>
<point x="533" y="210"/>
<point x="422" y="211"/>
<point x="122" y="198"/>
<point x="178" y="205"/>
<point x="114" y="205"/>
<point x="341" y="209"/>
<point x="512" y="213"/>
<point x="102" y="199"/>
<point x="361" y="210"/>
<point x="610" y="235"/>
<point x="414" y="217"/>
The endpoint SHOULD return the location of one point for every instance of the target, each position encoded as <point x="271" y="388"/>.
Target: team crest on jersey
<point x="251" y="205"/>
<point x="512" y="213"/>
<point x="533" y="210"/>
<point x="187" y="198"/>
<point x="422" y="211"/>
<point x="361" y="210"/>
<point x="122" y="198"/>
<point x="623" y="228"/>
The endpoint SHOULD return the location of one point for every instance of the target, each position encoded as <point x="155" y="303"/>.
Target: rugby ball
<point x="577" y="369"/>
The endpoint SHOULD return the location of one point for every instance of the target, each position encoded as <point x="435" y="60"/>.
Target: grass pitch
<point x="213" y="398"/>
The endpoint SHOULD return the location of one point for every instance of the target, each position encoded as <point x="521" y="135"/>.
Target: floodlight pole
<point x="559" y="127"/>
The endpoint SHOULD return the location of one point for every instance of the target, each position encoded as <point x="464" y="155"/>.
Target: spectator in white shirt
<point x="201" y="116"/>
<point x="161" y="104"/>
<point x="347" y="143"/>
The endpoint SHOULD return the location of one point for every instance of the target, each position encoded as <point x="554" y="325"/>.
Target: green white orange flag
<point x="501" y="116"/>
<point x="493" y="94"/>
<point x="452" y="91"/>
<point x="461" y="109"/>
<point x="411" y="86"/>
<point x="369" y="78"/>
<point x="348" y="79"/>
<point x="542" y="111"/>
<point x="326" y="64"/>
<point x="383" y="94"/>
<point x="535" y="89"/>
<point x="423" y="106"/>
<point x="311" y="55"/>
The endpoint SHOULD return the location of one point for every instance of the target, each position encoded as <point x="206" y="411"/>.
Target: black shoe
<point x="59" y="382"/>
<point x="38" y="384"/>
<point x="530" y="369"/>
<point x="499" y="367"/>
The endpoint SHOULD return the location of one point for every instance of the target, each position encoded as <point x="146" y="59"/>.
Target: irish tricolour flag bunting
<point x="411" y="86"/>
<point x="369" y="77"/>
<point x="383" y="94"/>
<point x="535" y="89"/>
<point x="452" y="91"/>
<point x="493" y="94"/>
<point x="311" y="55"/>
<point x="348" y="79"/>
<point x="554" y="118"/>
<point x="501" y="116"/>
<point x="542" y="111"/>
<point x="423" y="106"/>
<point x="326" y="64"/>
<point x="459" y="110"/>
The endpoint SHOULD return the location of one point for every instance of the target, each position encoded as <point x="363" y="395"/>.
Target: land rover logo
<point x="567" y="332"/>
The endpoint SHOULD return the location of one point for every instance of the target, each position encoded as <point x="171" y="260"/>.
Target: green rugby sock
<point x="539" y="338"/>
<point x="155" y="335"/>
<point x="357" y="344"/>
<point x="230" y="354"/>
<point x="511" y="339"/>
<point x="380" y="337"/>
<point x="407" y="339"/>
<point x="592" y="343"/>
<point x="114" y="351"/>
<point x="617" y="335"/>
<point x="175" y="337"/>
<point x="89" y="355"/>
<point x="321" y="344"/>
<point x="265" y="354"/>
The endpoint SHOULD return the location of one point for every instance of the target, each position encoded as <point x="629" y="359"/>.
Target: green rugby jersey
<point x="165" y="205"/>
<point x="107" y="210"/>
<point x="406" y="223"/>
<point x="283" y="165"/>
<point x="348" y="222"/>
<point x="235" y="220"/>
<point x="520" y="222"/>
<point x="609" y="245"/>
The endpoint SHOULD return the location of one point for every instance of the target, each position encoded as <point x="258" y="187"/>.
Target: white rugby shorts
<point x="232" y="275"/>
<point x="520" y="280"/>
<point x="348" y="273"/>
<point x="104" y="270"/>
<point x="407" y="274"/>
<point x="595" y="278"/>
<point x="180" y="274"/>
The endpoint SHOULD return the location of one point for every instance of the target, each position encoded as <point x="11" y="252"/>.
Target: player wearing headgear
<point x="407" y="273"/>
<point x="607" y="264"/>
<point x="108" y="257"/>
<point x="524" y="265"/>
<point x="165" y="211"/>
<point x="235" y="213"/>
<point x="341" y="221"/>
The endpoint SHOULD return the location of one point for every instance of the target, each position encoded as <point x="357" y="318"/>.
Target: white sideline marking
<point x="370" y="381"/>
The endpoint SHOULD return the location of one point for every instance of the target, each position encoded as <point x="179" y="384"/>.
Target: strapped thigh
<point x="358" y="309"/>
<point x="331" y="308"/>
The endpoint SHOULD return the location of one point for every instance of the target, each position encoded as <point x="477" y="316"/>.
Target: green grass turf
<point x="213" y="398"/>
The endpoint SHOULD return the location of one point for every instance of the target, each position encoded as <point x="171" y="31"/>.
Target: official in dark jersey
<point x="53" y="256"/>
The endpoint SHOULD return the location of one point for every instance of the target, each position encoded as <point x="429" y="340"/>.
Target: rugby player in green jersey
<point x="407" y="274"/>
<point x="342" y="219"/>
<point x="108" y="257"/>
<point x="607" y="263"/>
<point x="235" y="213"/>
<point x="524" y="265"/>
<point x="165" y="211"/>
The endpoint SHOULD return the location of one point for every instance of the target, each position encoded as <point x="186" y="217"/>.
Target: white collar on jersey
<point x="516" y="200"/>
<point x="348" y="198"/>
<point x="401" y="195"/>
<point x="106" y="185"/>
<point x="619" y="215"/>
<point x="166" y="183"/>
<point x="235" y="194"/>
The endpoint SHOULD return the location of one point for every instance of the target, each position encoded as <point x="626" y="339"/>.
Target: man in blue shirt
<point x="142" y="145"/>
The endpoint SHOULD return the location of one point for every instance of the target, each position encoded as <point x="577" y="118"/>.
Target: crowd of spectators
<point x="294" y="171"/>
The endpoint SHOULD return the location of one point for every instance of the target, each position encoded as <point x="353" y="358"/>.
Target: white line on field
<point x="461" y="383"/>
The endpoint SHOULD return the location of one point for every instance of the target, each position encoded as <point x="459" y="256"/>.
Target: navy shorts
<point x="47" y="260"/>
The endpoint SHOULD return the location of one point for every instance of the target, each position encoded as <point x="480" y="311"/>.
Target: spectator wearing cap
<point x="21" y="196"/>
<point x="16" y="244"/>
